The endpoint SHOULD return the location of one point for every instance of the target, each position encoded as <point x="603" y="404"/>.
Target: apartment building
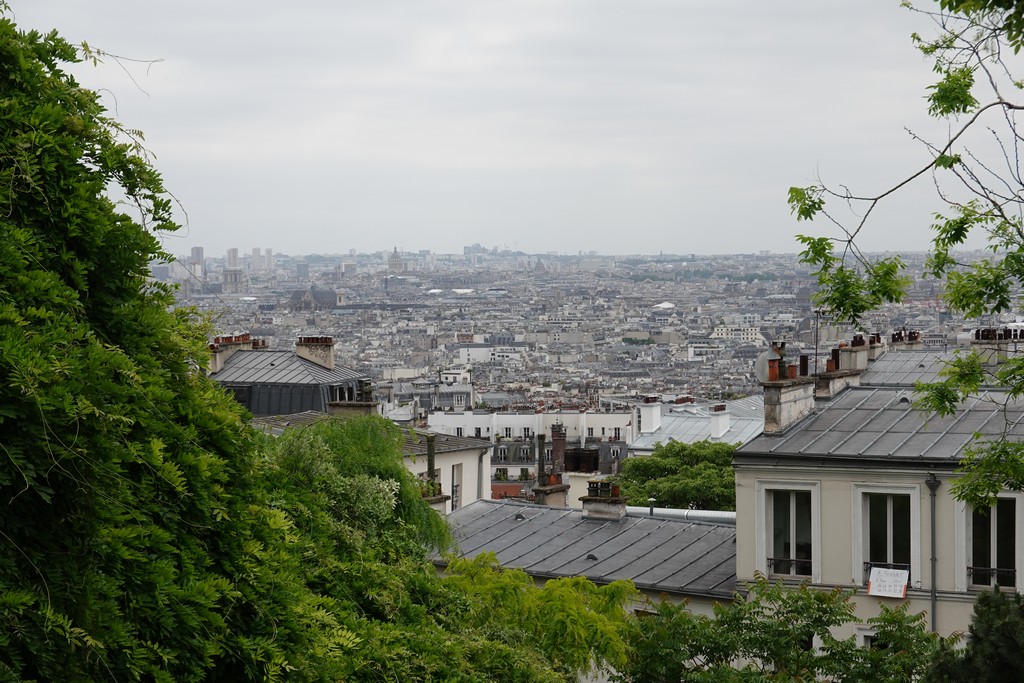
<point x="850" y="485"/>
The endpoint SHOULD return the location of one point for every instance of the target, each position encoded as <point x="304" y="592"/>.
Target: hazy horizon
<point x="554" y="125"/>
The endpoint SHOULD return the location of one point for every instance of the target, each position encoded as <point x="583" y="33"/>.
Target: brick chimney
<point x="649" y="414"/>
<point x="719" y="420"/>
<point x="223" y="347"/>
<point x="786" y="402"/>
<point x="993" y="345"/>
<point x="844" y="367"/>
<point x="603" y="502"/>
<point x="541" y="454"/>
<point x="876" y="346"/>
<point x="558" y="447"/>
<point x="319" y="350"/>
<point x="854" y="356"/>
<point x="552" y="488"/>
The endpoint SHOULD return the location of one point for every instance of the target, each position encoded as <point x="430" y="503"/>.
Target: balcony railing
<point x="989" y="576"/>
<point x="513" y="460"/>
<point x="789" y="566"/>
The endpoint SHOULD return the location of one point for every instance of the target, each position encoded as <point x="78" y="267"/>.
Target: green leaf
<point x="805" y="202"/>
<point x="952" y="95"/>
<point x="817" y="252"/>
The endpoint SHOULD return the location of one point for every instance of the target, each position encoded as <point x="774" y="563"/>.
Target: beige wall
<point x="837" y="539"/>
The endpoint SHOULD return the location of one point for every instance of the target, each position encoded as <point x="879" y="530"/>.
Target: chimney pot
<point x="319" y="350"/>
<point x="604" y="506"/>
<point x="784" y="405"/>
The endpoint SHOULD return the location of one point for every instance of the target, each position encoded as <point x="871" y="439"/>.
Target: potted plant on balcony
<point x="429" y="488"/>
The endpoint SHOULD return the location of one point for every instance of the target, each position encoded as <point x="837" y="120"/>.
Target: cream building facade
<point x="850" y="485"/>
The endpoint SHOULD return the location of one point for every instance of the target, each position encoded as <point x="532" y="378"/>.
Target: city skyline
<point x="242" y="255"/>
<point x="559" y="126"/>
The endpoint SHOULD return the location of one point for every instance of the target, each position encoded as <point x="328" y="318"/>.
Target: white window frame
<point x="762" y="518"/>
<point x="860" y="529"/>
<point x="865" y="635"/>
<point x="962" y="582"/>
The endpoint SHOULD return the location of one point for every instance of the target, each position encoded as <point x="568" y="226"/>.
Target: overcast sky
<point x="626" y="126"/>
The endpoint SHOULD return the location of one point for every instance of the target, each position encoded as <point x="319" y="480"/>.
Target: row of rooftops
<point x="863" y="417"/>
<point x="867" y="417"/>
<point x="855" y="417"/>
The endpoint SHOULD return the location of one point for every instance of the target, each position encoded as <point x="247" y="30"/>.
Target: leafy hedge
<point x="147" y="531"/>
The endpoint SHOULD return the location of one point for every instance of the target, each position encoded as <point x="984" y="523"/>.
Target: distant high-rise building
<point x="302" y="271"/>
<point x="257" y="260"/>
<point x="268" y="262"/>
<point x="197" y="262"/>
<point x="232" y="259"/>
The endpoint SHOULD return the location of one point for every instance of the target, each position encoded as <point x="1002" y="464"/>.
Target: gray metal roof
<point x="691" y="423"/>
<point x="872" y="424"/>
<point x="904" y="368"/>
<point x="748" y="406"/>
<point x="660" y="555"/>
<point x="279" y="367"/>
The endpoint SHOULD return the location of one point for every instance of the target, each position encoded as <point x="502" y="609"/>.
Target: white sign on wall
<point x="888" y="583"/>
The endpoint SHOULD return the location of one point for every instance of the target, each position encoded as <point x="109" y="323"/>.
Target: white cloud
<point x="550" y="124"/>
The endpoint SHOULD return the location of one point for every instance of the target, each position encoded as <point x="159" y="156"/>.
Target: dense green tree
<point x="133" y="540"/>
<point x="776" y="633"/>
<point x="363" y="534"/>
<point x="572" y="623"/>
<point x="975" y="168"/>
<point x="994" y="652"/>
<point x="147" y="531"/>
<point x="695" y="476"/>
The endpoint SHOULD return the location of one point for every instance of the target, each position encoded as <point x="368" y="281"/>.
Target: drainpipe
<point x="430" y="457"/>
<point x="540" y="457"/>
<point x="480" y="493"/>
<point x="933" y="485"/>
